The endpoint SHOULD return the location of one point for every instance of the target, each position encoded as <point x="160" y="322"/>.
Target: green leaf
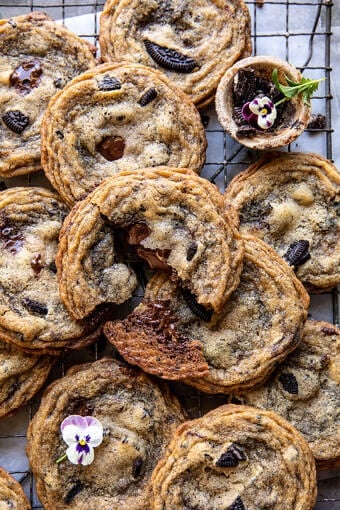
<point x="305" y="86"/>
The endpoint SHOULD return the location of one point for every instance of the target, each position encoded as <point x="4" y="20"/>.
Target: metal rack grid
<point x="225" y="158"/>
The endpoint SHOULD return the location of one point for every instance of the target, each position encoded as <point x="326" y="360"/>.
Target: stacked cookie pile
<point x="225" y="309"/>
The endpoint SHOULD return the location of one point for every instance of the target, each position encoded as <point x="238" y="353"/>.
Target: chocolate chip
<point x="137" y="467"/>
<point x="148" y="96"/>
<point x="192" y="249"/>
<point x="169" y="58"/>
<point x="244" y="86"/>
<point x="231" y="457"/>
<point x="317" y="121"/>
<point x="297" y="253"/>
<point x="75" y="489"/>
<point x="237" y="504"/>
<point x="26" y="76"/>
<point x="58" y="83"/>
<point x="36" y="264"/>
<point x="109" y="83"/>
<point x="34" y="306"/>
<point x="199" y="310"/>
<point x="289" y="383"/>
<point x="59" y="134"/>
<point x="111" y="147"/>
<point x="52" y="267"/>
<point x="15" y="120"/>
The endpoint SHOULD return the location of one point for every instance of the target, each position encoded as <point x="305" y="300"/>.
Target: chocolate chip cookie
<point x="117" y="117"/>
<point x="291" y="201"/>
<point x="12" y="497"/>
<point x="21" y="376"/>
<point x="236" y="458"/>
<point x="138" y="418"/>
<point x="260" y="324"/>
<point x="193" y="42"/>
<point x="174" y="219"/>
<point x="305" y="389"/>
<point x="37" y="58"/>
<point x="32" y="315"/>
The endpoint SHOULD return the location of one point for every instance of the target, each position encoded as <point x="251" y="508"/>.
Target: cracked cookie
<point x="37" y="58"/>
<point x="305" y="390"/>
<point x="260" y="324"/>
<point x="21" y="376"/>
<point x="12" y="496"/>
<point x="117" y="117"/>
<point x="291" y="201"/>
<point x="138" y="418"/>
<point x="174" y="219"/>
<point x="193" y="42"/>
<point x="236" y="458"/>
<point x="32" y="315"/>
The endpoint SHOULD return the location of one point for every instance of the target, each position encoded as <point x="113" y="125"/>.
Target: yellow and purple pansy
<point x="82" y="434"/>
<point x="261" y="111"/>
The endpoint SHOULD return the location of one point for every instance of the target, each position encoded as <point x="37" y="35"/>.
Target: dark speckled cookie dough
<point x="37" y="58"/>
<point x="138" y="417"/>
<point x="235" y="458"/>
<point x="12" y="497"/>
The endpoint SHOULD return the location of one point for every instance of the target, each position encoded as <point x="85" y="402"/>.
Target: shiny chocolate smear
<point x="12" y="239"/>
<point x="111" y="147"/>
<point x="138" y="232"/>
<point x="36" y="264"/>
<point x="26" y="76"/>
<point x="155" y="258"/>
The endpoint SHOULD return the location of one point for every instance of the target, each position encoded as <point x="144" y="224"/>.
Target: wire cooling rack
<point x="296" y="31"/>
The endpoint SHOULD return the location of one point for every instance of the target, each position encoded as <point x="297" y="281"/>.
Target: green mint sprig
<point x="305" y="86"/>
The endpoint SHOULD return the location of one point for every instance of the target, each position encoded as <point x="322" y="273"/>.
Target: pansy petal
<point x="70" y="434"/>
<point x="72" y="453"/>
<point x="93" y="435"/>
<point x="265" y="122"/>
<point x="87" y="458"/>
<point x="255" y="108"/>
<point x="74" y="419"/>
<point x="92" y="421"/>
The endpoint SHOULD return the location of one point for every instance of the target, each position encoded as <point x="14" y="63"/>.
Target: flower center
<point x="264" y="111"/>
<point x="82" y="442"/>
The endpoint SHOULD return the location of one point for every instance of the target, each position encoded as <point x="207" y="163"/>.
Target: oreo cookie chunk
<point x="305" y="390"/>
<point x="174" y="219"/>
<point x="32" y="315"/>
<point x="235" y="458"/>
<point x="11" y="494"/>
<point x="260" y="324"/>
<point x="137" y="418"/>
<point x="291" y="201"/>
<point x="194" y="42"/>
<point x="118" y="117"/>
<point x="37" y="58"/>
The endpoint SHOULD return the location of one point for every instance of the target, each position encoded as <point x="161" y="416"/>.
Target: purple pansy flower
<point x="81" y="434"/>
<point x="260" y="111"/>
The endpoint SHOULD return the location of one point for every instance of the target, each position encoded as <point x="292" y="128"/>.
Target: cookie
<point x="37" y="58"/>
<point x="21" y="376"/>
<point x="236" y="458"/>
<point x="12" y="497"/>
<point x="194" y="42"/>
<point x="117" y="117"/>
<point x="305" y="390"/>
<point x="32" y="315"/>
<point x="174" y="219"/>
<point x="260" y="324"/>
<point x="138" y="418"/>
<point x="291" y="201"/>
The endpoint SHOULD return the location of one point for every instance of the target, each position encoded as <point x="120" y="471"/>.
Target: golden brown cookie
<point x="305" y="390"/>
<point x="37" y="58"/>
<point x="291" y="201"/>
<point x="236" y="458"/>
<point x="118" y="117"/>
<point x="32" y="315"/>
<point x="175" y="220"/>
<point x="137" y="417"/>
<point x="194" y="42"/>
<point x="260" y="324"/>
<point x="12" y="497"/>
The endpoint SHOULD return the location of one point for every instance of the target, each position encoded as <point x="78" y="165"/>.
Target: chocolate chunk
<point x="169" y="58"/>
<point x="297" y="253"/>
<point x="231" y="457"/>
<point x="111" y="147"/>
<point x="109" y="83"/>
<point x="26" y="76"/>
<point x="34" y="306"/>
<point x="244" y="86"/>
<point x="59" y="134"/>
<point x="12" y="239"/>
<point x="15" y="120"/>
<point x="192" y="249"/>
<point x="155" y="258"/>
<point x="289" y="383"/>
<point x="138" y="232"/>
<point x="36" y="264"/>
<point x="148" y="96"/>
<point x="52" y="267"/>
<point x="237" y="505"/>
<point x="317" y="121"/>
<point x="58" y="83"/>
<point x="199" y="310"/>
<point x="137" y="467"/>
<point x="75" y="489"/>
